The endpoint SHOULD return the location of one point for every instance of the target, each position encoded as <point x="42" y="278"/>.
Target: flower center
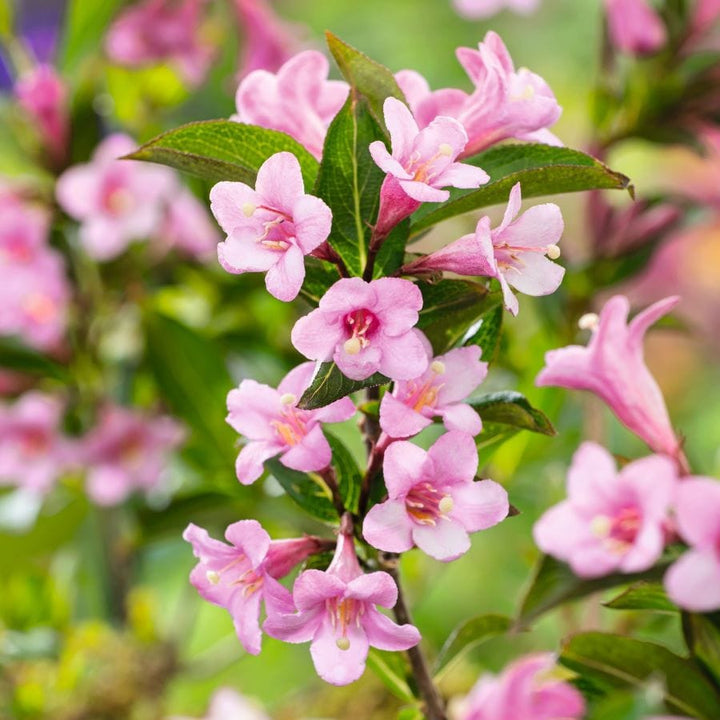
<point x="344" y="613"/>
<point x="40" y="308"/>
<point x="360" y="326"/>
<point x="425" y="504"/>
<point x="118" y="201"/>
<point x="237" y="572"/>
<point x="291" y="426"/>
<point x="278" y="228"/>
<point x="34" y="441"/>
<point x="619" y="532"/>
<point x="425" y="395"/>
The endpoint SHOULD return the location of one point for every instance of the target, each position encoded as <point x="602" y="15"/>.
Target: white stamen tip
<point x="553" y="252"/>
<point x="288" y="399"/>
<point x="438" y="367"/>
<point x="589" y="321"/>
<point x="248" y="209"/>
<point x="343" y="643"/>
<point x="600" y="525"/>
<point x="446" y="505"/>
<point x="213" y="577"/>
<point x="445" y="149"/>
<point x="352" y="346"/>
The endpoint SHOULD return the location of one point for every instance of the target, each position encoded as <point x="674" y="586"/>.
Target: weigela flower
<point x="226" y="704"/>
<point x="272" y="227"/>
<point x="475" y="9"/>
<point x="366" y="327"/>
<point x="438" y="392"/>
<point x="613" y="368"/>
<point x="126" y="451"/>
<point x="514" y="252"/>
<point x="299" y="100"/>
<point x="634" y="26"/>
<point x="273" y="424"/>
<point x="433" y="501"/>
<point x="693" y="581"/>
<point x="422" y="162"/>
<point x="337" y="614"/>
<point x="187" y="227"/>
<point x="116" y="201"/>
<point x="610" y="521"/>
<point x="525" y="689"/>
<point x="240" y="576"/>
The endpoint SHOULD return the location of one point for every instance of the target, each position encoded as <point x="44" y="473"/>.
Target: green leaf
<point x="512" y="409"/>
<point x="450" y="307"/>
<point x="392" y="253"/>
<point x="390" y="668"/>
<point x="224" y="150"/>
<point x="620" y="661"/>
<point x="466" y="636"/>
<point x="329" y="384"/>
<point x="702" y="633"/>
<point x="308" y="490"/>
<point x="349" y="477"/>
<point x="349" y="181"/>
<point x="16" y="356"/>
<point x="643" y="596"/>
<point x="541" y="169"/>
<point x="488" y="332"/>
<point x="85" y="24"/>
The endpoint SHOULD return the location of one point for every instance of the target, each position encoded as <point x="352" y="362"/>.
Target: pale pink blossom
<point x="336" y="613"/>
<point x="421" y="164"/>
<point x="226" y="704"/>
<point x="525" y="689"/>
<point x="433" y="500"/>
<point x="187" y="227"/>
<point x="612" y="367"/>
<point x="705" y="14"/>
<point x="634" y="26"/>
<point x="298" y="100"/>
<point x="23" y="231"/>
<point x="366" y="327"/>
<point x="693" y="581"/>
<point x="611" y="521"/>
<point x="475" y="9"/>
<point x="126" y="451"/>
<point x="272" y="227"/>
<point x="514" y="252"/>
<point x="273" y="424"/>
<point x="240" y="576"/>
<point x="156" y="31"/>
<point x="438" y="392"/>
<point x="116" y="201"/>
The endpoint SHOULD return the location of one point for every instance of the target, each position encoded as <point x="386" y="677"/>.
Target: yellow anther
<point x="601" y="525"/>
<point x="248" y="209"/>
<point x="445" y="149"/>
<point x="589" y="321"/>
<point x="288" y="399"/>
<point x="438" y="367"/>
<point x="343" y="643"/>
<point x="553" y="252"/>
<point x="446" y="505"/>
<point x="213" y="577"/>
<point x="352" y="346"/>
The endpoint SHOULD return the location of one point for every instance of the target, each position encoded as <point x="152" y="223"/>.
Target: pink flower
<point x="23" y="232"/>
<point x="634" y="26"/>
<point x="613" y="368"/>
<point x="610" y="521"/>
<point x="155" y="31"/>
<point x="693" y="581"/>
<point x="273" y="424"/>
<point x="116" y="201"/>
<point x="527" y="690"/>
<point x="514" y="252"/>
<point x="422" y="162"/>
<point x="337" y="614"/>
<point x="475" y="9"/>
<point x="127" y="451"/>
<point x="299" y="100"/>
<point x="433" y="501"/>
<point x="439" y="391"/>
<point x="226" y="704"/>
<point x="272" y="227"/>
<point x="366" y="327"/>
<point x="240" y="576"/>
<point x="187" y="227"/>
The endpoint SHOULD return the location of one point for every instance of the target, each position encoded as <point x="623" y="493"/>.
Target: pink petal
<point x="108" y="484"/>
<point x="454" y="457"/>
<point x="397" y="304"/>
<point x="463" y="373"/>
<point x="294" y="628"/>
<point x="313" y="219"/>
<point x="384" y="634"/>
<point x="693" y="581"/>
<point x="386" y="162"/>
<point x="698" y="512"/>
<point x="404" y="357"/>
<point x="251" y="538"/>
<point x="226" y="203"/>
<point x="249" y="463"/>
<point x="312" y="453"/>
<point x="538" y="227"/>
<point x="251" y="408"/>
<point x="640" y="324"/>
<point x="242" y="253"/>
<point x="387" y="527"/>
<point x="314" y="587"/>
<point x="509" y="299"/>
<point x="285" y="278"/>
<point x="402" y="128"/>
<point x="336" y="666"/>
<point x="537" y="275"/>
<point x="460" y="175"/>
<point x="461" y="417"/>
<point x="245" y="613"/>
<point x="646" y="549"/>
<point x="348" y="294"/>
<point x="315" y="337"/>
<point x="398" y="420"/>
<point x="338" y="411"/>
<point x="361" y="365"/>
<point x="279" y="182"/>
<point x="297" y="380"/>
<point x="511" y="211"/>
<point x="76" y="191"/>
<point x="422" y="192"/>
<point x="479" y="505"/>
<point x="377" y="588"/>
<point x="404" y="466"/>
<point x="445" y="541"/>
<point x="588" y="483"/>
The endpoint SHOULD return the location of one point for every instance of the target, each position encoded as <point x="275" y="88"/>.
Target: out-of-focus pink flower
<point x="337" y="614"/>
<point x="525" y="689"/>
<point x="33" y="451"/>
<point x="126" y="451"/>
<point x="366" y="327"/>
<point x="226" y="704"/>
<point x="634" y="26"/>
<point x="187" y="226"/>
<point x="706" y="13"/>
<point x="612" y="367"/>
<point x="610" y="521"/>
<point x="23" y="231"/>
<point x="273" y="424"/>
<point x="514" y="252"/>
<point x="239" y="576"/>
<point x="433" y="501"/>
<point x="299" y="100"/>
<point x="438" y="392"/>
<point x="474" y="9"/>
<point x="155" y="31"/>
<point x="271" y="228"/>
<point x="116" y="201"/>
<point x="693" y="581"/>
<point x="422" y="162"/>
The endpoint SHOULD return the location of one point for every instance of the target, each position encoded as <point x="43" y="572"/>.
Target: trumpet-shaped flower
<point x="613" y="368"/>
<point x="475" y="9"/>
<point x="299" y="100"/>
<point x="439" y="391"/>
<point x="273" y="424"/>
<point x="433" y="501"/>
<point x="366" y="327"/>
<point x="634" y="26"/>
<point x="336" y="612"/>
<point x="272" y="227"/>
<point x="610" y="521"/>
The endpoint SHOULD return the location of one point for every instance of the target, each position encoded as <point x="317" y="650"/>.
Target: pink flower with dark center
<point x="273" y="424"/>
<point x="438" y="392"/>
<point x="116" y="201"/>
<point x="337" y="615"/>
<point x="634" y="26"/>
<point x="433" y="501"/>
<point x="239" y="576"/>
<point x="613" y="368"/>
<point x="525" y="689"/>
<point x="271" y="228"/>
<point x="476" y="9"/>
<point x="299" y="100"/>
<point x="610" y="521"/>
<point x="693" y="581"/>
<point x="188" y="227"/>
<point x="422" y="162"/>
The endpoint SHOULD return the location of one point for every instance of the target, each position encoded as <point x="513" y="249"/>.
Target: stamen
<point x="213" y="577"/>
<point x="288" y="399"/>
<point x="589" y="321"/>
<point x="248" y="209"/>
<point x="446" y="505"/>
<point x="343" y="643"/>
<point x="601" y="525"/>
<point x="553" y="252"/>
<point x="352" y="346"/>
<point x="445" y="149"/>
<point x="438" y="367"/>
